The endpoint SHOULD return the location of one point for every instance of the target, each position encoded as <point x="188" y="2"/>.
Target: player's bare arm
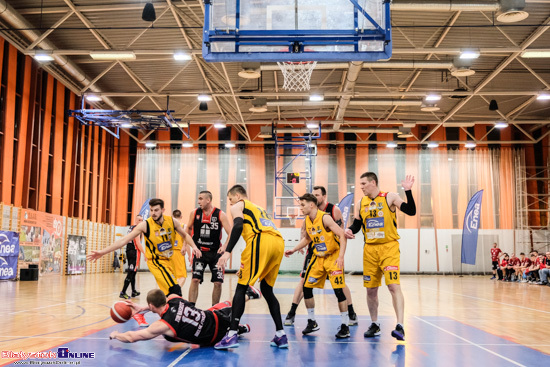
<point x="227" y="228"/>
<point x="138" y="230"/>
<point x="356" y="225"/>
<point x="338" y="216"/>
<point x="187" y="238"/>
<point x="303" y="243"/>
<point x="329" y="223"/>
<point x="155" y="329"/>
<point x="236" y="231"/>
<point x="189" y="227"/>
<point x="395" y="201"/>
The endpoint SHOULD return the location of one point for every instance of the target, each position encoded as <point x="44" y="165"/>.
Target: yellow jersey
<point x="379" y="223"/>
<point x="324" y="242"/>
<point x="179" y="240"/>
<point x="256" y="221"/>
<point x="159" y="240"/>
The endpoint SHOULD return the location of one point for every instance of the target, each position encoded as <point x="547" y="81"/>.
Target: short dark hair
<point x="371" y="176"/>
<point x="506" y="254"/>
<point x="139" y="215"/>
<point x="522" y="253"/>
<point x="207" y="193"/>
<point x="309" y="197"/>
<point x="237" y="189"/>
<point x="156" y="201"/>
<point x="156" y="298"/>
<point x="322" y="188"/>
<point x="176" y="213"/>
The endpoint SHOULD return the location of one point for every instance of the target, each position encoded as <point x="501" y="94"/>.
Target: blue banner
<point x="345" y="208"/>
<point x="9" y="253"/>
<point x="144" y="211"/>
<point x="472" y="219"/>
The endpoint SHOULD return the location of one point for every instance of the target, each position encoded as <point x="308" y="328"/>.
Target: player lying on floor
<point x="180" y="321"/>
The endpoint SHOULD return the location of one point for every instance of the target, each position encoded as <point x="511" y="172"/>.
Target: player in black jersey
<point x="180" y="321"/>
<point x="205" y="226"/>
<point x="133" y="251"/>
<point x="321" y="194"/>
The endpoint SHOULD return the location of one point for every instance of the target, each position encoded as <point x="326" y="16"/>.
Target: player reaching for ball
<point x="180" y="321"/>
<point x="375" y="214"/>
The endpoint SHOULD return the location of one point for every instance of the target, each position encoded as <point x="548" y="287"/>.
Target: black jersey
<point x="131" y="248"/>
<point x="207" y="230"/>
<point x="190" y="324"/>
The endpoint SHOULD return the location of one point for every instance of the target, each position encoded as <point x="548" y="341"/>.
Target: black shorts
<point x="495" y="265"/>
<point x="306" y="263"/>
<point x="209" y="258"/>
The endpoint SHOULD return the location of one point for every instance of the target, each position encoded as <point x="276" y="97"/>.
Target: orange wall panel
<point x="57" y="149"/>
<point x="45" y="146"/>
<point x="9" y="128"/>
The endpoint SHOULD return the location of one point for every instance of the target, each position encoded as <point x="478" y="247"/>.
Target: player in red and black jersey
<point x="321" y="194"/>
<point x="511" y="267"/>
<point x="496" y="254"/>
<point x="180" y="321"/>
<point x="501" y="271"/>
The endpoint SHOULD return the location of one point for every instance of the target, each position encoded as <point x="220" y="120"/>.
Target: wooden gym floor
<point x="449" y="320"/>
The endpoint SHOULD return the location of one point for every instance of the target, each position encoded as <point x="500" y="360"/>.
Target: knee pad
<point x="175" y="289"/>
<point x="340" y="294"/>
<point x="308" y="293"/>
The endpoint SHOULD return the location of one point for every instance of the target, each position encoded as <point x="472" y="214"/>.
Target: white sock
<point x="345" y="317"/>
<point x="279" y="333"/>
<point x="311" y="314"/>
<point x="230" y="333"/>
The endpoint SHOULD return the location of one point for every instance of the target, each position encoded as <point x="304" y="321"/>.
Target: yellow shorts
<point x="163" y="271"/>
<point x="378" y="260"/>
<point x="261" y="259"/>
<point x="180" y="267"/>
<point x="321" y="267"/>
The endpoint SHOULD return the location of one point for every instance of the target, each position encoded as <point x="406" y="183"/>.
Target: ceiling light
<point x="93" y="98"/>
<point x="259" y="105"/>
<point x="187" y="145"/>
<point x="220" y="125"/>
<point x="148" y="13"/>
<point x="266" y="132"/>
<point x="43" y="56"/>
<point x="230" y="145"/>
<point x="501" y="125"/>
<point x="429" y="107"/>
<point x="535" y="54"/>
<point x="470" y="145"/>
<point x="113" y="55"/>
<point x="312" y="125"/>
<point x="204" y="97"/>
<point x="469" y="54"/>
<point x="449" y="159"/>
<point x="182" y="56"/>
<point x="391" y="145"/>
<point x="493" y="105"/>
<point x="203" y="106"/>
<point x="543" y="97"/>
<point x="433" y="144"/>
<point x="316" y="98"/>
<point x="150" y="145"/>
<point x="250" y="70"/>
<point x="433" y="97"/>
<point x="126" y="125"/>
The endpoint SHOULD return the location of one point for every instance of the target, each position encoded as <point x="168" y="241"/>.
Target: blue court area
<point x="431" y="341"/>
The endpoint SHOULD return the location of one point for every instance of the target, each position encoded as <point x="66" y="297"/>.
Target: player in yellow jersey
<point x="160" y="234"/>
<point x="375" y="214"/>
<point x="260" y="260"/>
<point x="180" y="249"/>
<point x="328" y="245"/>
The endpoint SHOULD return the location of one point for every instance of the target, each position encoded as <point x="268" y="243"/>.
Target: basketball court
<point x="107" y="104"/>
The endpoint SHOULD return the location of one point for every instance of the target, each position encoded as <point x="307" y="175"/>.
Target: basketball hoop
<point x="292" y="219"/>
<point x="297" y="75"/>
<point x="292" y="213"/>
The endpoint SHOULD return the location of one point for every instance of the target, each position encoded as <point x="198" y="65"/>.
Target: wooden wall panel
<point x="57" y="149"/>
<point x="45" y="146"/>
<point x="68" y="184"/>
<point x="9" y="127"/>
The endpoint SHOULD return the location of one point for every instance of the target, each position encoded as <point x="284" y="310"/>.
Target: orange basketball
<point x="121" y="312"/>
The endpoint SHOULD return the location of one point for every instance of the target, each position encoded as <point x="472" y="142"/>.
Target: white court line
<point x="59" y="304"/>
<point x="472" y="343"/>
<point x="180" y="358"/>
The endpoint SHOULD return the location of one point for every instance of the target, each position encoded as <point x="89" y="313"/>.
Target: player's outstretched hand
<point x="223" y="260"/>
<point x="197" y="253"/>
<point x="340" y="262"/>
<point x="289" y="252"/>
<point x="302" y="251"/>
<point x="349" y="234"/>
<point x="408" y="183"/>
<point x="113" y="335"/>
<point x="95" y="255"/>
<point x="136" y="308"/>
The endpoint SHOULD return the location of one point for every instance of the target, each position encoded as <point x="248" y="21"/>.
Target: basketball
<point x="121" y="312"/>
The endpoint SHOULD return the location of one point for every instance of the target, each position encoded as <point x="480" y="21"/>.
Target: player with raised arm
<point x="321" y="194"/>
<point x="375" y="214"/>
<point x="159" y="232"/>
<point x="327" y="260"/>
<point x="260" y="260"/>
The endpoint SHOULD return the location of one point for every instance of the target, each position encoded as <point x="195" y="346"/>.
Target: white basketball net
<point x="297" y="75"/>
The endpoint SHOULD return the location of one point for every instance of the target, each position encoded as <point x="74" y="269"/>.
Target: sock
<point x="351" y="311"/>
<point x="230" y="333"/>
<point x="376" y="323"/>
<point x="279" y="333"/>
<point x="293" y="309"/>
<point x="345" y="317"/>
<point x="398" y="324"/>
<point x="311" y="314"/>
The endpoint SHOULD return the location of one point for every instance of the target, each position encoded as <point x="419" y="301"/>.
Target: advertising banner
<point x="9" y="252"/>
<point x="76" y="254"/>
<point x="472" y="220"/>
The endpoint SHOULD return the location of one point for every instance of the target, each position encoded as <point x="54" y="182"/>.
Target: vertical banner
<point x="9" y="252"/>
<point x="144" y="211"/>
<point x="469" y="232"/>
<point x="345" y="207"/>
<point x="76" y="255"/>
<point x="41" y="240"/>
